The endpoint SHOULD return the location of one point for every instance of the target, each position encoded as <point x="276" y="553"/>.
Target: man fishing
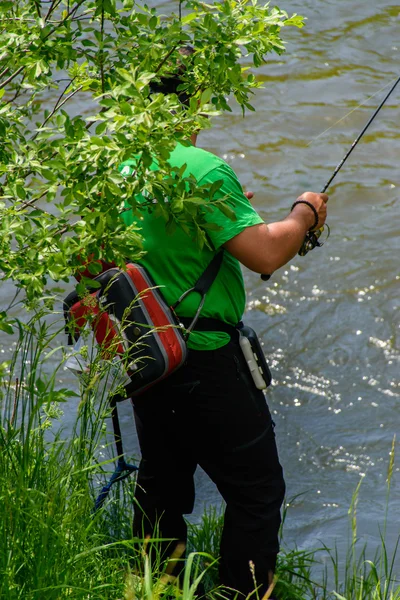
<point x="209" y="412"/>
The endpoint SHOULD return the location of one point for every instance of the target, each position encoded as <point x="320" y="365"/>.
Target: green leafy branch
<point x="76" y="101"/>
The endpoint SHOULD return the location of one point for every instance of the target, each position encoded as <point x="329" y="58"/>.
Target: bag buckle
<point x="198" y="311"/>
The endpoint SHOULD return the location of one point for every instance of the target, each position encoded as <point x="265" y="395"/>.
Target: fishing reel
<point x="311" y="241"/>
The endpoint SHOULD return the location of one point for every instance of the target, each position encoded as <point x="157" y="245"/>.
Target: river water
<point x="329" y="322"/>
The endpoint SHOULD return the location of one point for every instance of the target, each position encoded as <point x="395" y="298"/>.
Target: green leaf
<point x="195" y="200"/>
<point x="101" y="127"/>
<point x="66" y="393"/>
<point x="40" y="385"/>
<point x="243" y="41"/>
<point x="215" y="187"/>
<point x="227" y="211"/>
<point x="5" y="323"/>
<point x="21" y="193"/>
<point x="94" y="267"/>
<point x="153" y="22"/>
<point x="89" y="283"/>
<point x="38" y="69"/>
<point x="206" y="96"/>
<point x="188" y="18"/>
<point x="212" y="227"/>
<point x="88" y="43"/>
<point x="49" y="175"/>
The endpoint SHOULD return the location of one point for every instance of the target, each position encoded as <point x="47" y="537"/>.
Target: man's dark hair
<point x="168" y="84"/>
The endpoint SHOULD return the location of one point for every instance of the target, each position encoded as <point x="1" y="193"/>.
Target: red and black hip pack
<point x="131" y="327"/>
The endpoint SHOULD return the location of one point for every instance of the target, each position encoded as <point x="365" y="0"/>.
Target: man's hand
<point x="318" y="201"/>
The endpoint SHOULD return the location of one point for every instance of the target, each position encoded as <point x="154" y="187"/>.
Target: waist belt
<point x="210" y="324"/>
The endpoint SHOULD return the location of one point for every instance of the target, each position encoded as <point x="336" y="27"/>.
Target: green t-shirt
<point x="175" y="261"/>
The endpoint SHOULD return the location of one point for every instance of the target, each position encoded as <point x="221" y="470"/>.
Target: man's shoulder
<point x="199" y="160"/>
<point x="194" y="151"/>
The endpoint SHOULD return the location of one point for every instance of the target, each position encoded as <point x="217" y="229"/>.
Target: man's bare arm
<point x="264" y="248"/>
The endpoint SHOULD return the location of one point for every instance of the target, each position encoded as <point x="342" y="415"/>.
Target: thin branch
<point x="52" y="7"/>
<point x="101" y="53"/>
<point x="7" y="81"/>
<point x="164" y="60"/>
<point x="65" y="229"/>
<point x="18" y="19"/>
<point x="37" y="5"/>
<point x="82" y="17"/>
<point x="17" y="93"/>
<point x="29" y="205"/>
<point x="11" y="305"/>
<point x="58" y="105"/>
<point x="61" y="80"/>
<point x="69" y="14"/>
<point x="6" y="70"/>
<point x="78" y="89"/>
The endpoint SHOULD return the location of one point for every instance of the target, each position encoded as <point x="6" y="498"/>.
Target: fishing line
<point x="354" y="144"/>
<point x="312" y="237"/>
<point x="348" y="114"/>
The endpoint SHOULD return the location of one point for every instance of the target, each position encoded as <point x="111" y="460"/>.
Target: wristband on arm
<point x="312" y="208"/>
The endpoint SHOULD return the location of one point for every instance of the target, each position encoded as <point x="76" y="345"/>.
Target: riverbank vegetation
<point x="76" y="101"/>
<point x="56" y="546"/>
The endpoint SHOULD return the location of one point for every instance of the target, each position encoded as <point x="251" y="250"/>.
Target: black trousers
<point x="209" y="413"/>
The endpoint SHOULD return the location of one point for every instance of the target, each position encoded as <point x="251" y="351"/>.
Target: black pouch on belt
<point x="255" y="357"/>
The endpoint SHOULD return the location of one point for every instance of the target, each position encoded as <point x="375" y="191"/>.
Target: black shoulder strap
<point x="205" y="280"/>
<point x="123" y="469"/>
<point x="202" y="286"/>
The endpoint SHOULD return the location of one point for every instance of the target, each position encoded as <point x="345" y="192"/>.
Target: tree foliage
<point x="75" y="102"/>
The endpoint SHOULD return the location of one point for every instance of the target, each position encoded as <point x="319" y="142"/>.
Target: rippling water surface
<point x="329" y="322"/>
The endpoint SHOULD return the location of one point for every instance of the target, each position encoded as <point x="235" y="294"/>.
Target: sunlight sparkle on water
<point x="313" y="384"/>
<point x="378" y="343"/>
<point x="267" y="307"/>
<point x="391" y="354"/>
<point x="316" y="291"/>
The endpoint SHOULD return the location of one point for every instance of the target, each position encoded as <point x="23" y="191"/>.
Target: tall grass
<point x="54" y="546"/>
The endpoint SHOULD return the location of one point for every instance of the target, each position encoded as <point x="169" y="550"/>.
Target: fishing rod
<point x="312" y="237"/>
